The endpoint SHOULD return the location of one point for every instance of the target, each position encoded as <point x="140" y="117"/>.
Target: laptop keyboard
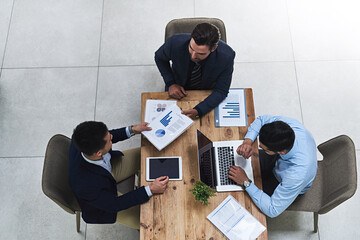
<point x="226" y="160"/>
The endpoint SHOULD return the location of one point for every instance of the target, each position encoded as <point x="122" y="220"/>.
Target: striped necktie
<point x="195" y="78"/>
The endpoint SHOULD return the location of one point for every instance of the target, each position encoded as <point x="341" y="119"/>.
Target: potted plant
<point x="202" y="192"/>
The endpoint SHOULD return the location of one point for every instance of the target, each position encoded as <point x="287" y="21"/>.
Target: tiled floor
<point x="63" y="62"/>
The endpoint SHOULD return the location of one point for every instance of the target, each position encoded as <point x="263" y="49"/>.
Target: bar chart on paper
<point x="232" y="111"/>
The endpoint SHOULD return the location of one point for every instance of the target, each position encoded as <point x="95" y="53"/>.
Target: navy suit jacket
<point x="217" y="69"/>
<point x="95" y="188"/>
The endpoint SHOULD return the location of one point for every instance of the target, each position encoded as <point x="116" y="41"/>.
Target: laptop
<point x="215" y="160"/>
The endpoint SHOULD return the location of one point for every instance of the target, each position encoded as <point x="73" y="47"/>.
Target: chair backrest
<point x="187" y="25"/>
<point x="339" y="172"/>
<point x="336" y="178"/>
<point x="55" y="182"/>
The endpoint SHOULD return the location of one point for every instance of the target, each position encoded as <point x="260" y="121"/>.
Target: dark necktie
<point x="195" y="78"/>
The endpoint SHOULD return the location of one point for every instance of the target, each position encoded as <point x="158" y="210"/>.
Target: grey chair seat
<point x="187" y="25"/>
<point x="335" y="181"/>
<point x="55" y="183"/>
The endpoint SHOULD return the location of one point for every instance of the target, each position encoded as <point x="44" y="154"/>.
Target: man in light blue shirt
<point x="294" y="167"/>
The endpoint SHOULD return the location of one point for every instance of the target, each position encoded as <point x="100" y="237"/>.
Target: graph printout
<point x="234" y="221"/>
<point x="167" y="127"/>
<point x="232" y="111"/>
<point x="156" y="107"/>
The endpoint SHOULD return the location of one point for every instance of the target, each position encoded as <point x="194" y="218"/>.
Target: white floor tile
<point x="26" y="212"/>
<point x="111" y="232"/>
<point x="343" y="221"/>
<point x="274" y="87"/>
<point x="51" y="33"/>
<point x="5" y="13"/>
<point x="35" y="104"/>
<point x="257" y="30"/>
<point x="133" y="31"/>
<point x="119" y="96"/>
<point x="292" y="225"/>
<point x="329" y="94"/>
<point x="325" y="29"/>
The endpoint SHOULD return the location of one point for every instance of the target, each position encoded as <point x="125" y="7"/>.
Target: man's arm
<point x="162" y="60"/>
<point x="110" y="202"/>
<point x="220" y="91"/>
<point x="285" y="193"/>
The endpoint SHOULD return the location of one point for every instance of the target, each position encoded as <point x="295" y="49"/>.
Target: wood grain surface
<point x="175" y="214"/>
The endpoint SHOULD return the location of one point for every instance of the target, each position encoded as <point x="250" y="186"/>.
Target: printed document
<point x="156" y="107"/>
<point x="234" y="221"/>
<point x="232" y="111"/>
<point x="167" y="127"/>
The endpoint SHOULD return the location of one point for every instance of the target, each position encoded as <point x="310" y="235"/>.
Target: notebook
<point x="215" y="160"/>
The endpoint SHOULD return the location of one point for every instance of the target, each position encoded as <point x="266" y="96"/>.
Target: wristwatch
<point x="131" y="131"/>
<point x="246" y="183"/>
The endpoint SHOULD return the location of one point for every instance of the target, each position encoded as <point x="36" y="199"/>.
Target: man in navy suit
<point x="199" y="61"/>
<point x="95" y="169"/>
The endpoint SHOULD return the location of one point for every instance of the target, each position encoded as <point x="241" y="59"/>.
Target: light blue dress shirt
<point x="295" y="170"/>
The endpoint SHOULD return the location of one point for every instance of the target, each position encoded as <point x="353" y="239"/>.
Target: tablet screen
<point x="168" y="166"/>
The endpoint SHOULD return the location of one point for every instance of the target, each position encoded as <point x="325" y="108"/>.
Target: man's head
<point x="276" y="137"/>
<point x="204" y="40"/>
<point x="92" y="138"/>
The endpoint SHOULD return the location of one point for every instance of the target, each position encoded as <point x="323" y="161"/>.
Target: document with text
<point x="166" y="127"/>
<point x="231" y="112"/>
<point x="234" y="221"/>
<point x="156" y="107"/>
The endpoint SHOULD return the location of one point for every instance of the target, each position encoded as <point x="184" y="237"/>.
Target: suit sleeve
<point x="162" y="60"/>
<point x="119" y="134"/>
<point x="220" y="92"/>
<point x="109" y="202"/>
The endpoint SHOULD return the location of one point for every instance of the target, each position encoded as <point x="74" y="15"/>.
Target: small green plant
<point x="202" y="192"/>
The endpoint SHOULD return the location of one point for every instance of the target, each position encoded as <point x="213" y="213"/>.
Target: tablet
<point x="163" y="166"/>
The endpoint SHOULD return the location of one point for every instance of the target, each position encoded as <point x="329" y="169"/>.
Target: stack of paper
<point x="234" y="221"/>
<point x="167" y="127"/>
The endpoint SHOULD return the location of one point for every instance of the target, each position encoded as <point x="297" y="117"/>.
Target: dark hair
<point x="206" y="34"/>
<point x="89" y="136"/>
<point x="277" y="136"/>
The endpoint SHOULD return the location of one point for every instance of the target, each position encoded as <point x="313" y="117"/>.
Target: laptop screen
<point x="206" y="160"/>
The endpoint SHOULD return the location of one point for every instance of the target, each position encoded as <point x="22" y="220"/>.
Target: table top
<point x="175" y="214"/>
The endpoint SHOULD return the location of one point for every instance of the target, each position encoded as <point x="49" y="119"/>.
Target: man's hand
<point x="159" y="185"/>
<point x="238" y="175"/>
<point x="245" y="149"/>
<point x="192" y="113"/>
<point x="177" y="91"/>
<point x="141" y="127"/>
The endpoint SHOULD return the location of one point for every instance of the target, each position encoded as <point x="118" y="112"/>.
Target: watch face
<point x="246" y="184"/>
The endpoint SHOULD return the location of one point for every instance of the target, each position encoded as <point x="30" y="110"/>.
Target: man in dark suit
<point x="199" y="61"/>
<point x="95" y="169"/>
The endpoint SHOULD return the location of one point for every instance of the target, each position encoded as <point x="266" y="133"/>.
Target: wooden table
<point x="175" y="214"/>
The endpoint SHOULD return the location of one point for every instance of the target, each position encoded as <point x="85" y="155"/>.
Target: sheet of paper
<point x="155" y="107"/>
<point x="232" y="111"/>
<point x="167" y="127"/>
<point x="234" y="221"/>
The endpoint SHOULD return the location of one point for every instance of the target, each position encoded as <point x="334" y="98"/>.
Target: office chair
<point x="335" y="181"/>
<point x="187" y="25"/>
<point x="55" y="183"/>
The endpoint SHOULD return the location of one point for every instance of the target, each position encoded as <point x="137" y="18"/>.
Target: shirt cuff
<point x="147" y="189"/>
<point x="251" y="135"/>
<point x="251" y="189"/>
<point x="128" y="134"/>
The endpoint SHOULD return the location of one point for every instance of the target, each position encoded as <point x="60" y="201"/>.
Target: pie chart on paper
<point x="160" y="133"/>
